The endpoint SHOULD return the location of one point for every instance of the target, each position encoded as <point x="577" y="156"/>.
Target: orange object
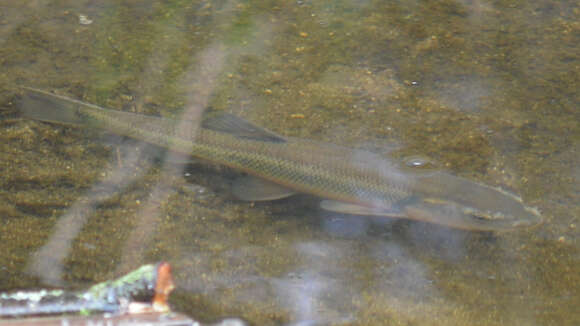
<point x="163" y="286"/>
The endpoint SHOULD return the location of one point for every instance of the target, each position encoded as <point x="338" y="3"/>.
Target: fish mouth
<point x="528" y="218"/>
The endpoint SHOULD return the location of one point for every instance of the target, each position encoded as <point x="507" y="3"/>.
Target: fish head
<point x="464" y="204"/>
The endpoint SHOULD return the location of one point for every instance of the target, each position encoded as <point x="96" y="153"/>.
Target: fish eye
<point x="419" y="162"/>
<point x="416" y="162"/>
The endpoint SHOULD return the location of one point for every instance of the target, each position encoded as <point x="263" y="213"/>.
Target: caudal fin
<point x="44" y="106"/>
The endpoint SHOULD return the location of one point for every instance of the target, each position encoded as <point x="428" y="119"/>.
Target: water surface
<point x="486" y="90"/>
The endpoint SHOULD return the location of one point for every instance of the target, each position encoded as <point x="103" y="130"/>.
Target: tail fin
<point x="44" y="106"/>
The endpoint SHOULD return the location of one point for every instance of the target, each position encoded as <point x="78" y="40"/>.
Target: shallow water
<point x="486" y="90"/>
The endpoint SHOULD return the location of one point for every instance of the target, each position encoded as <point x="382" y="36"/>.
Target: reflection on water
<point x="487" y="90"/>
<point x="47" y="262"/>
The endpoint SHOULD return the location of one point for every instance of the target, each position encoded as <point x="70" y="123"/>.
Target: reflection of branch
<point x="202" y="79"/>
<point x="47" y="261"/>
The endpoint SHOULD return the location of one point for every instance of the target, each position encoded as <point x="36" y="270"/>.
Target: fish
<point x="348" y="180"/>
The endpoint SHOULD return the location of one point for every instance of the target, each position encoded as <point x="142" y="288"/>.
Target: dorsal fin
<point x="234" y="125"/>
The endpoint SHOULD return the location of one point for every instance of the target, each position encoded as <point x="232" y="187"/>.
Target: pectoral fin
<point x="353" y="209"/>
<point x="255" y="189"/>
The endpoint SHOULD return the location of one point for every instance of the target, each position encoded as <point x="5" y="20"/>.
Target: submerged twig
<point x="146" y="289"/>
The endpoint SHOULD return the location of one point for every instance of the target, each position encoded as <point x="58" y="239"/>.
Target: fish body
<point x="349" y="180"/>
